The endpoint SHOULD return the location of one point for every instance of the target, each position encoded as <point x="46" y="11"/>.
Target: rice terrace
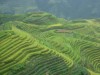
<point x="49" y="37"/>
<point x="42" y="44"/>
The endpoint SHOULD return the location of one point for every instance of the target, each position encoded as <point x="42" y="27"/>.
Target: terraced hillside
<point x="42" y="44"/>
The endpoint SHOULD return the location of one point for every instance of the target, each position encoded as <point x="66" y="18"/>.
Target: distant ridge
<point x="69" y="9"/>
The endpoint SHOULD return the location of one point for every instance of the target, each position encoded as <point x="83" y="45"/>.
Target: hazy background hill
<point x="61" y="8"/>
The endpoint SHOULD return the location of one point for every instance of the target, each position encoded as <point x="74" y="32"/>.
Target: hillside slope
<point x="42" y="44"/>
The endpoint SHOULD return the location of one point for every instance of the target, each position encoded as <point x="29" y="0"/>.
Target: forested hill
<point x="61" y="8"/>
